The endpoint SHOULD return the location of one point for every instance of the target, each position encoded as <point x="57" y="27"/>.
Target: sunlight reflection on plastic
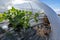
<point x="5" y="27"/>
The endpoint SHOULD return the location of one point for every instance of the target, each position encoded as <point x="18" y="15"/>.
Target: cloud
<point x="18" y="1"/>
<point x="57" y="11"/>
<point x="21" y="1"/>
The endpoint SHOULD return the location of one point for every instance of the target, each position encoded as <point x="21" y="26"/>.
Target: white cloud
<point x="57" y="11"/>
<point x="21" y="1"/>
<point x="18" y="1"/>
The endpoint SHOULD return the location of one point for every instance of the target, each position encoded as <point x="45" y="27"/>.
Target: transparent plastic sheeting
<point x="4" y="5"/>
<point x="37" y="5"/>
<point x="52" y="16"/>
<point x="53" y="19"/>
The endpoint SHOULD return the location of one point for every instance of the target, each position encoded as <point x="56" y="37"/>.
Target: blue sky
<point x="54" y="4"/>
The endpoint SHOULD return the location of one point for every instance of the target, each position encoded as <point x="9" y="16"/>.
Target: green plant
<point x="19" y="19"/>
<point x="2" y="17"/>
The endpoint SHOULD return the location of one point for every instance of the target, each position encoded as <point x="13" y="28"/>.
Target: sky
<point x="54" y="4"/>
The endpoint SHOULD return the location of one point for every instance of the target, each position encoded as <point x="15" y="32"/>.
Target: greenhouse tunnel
<point x="36" y="6"/>
<point x="51" y="15"/>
